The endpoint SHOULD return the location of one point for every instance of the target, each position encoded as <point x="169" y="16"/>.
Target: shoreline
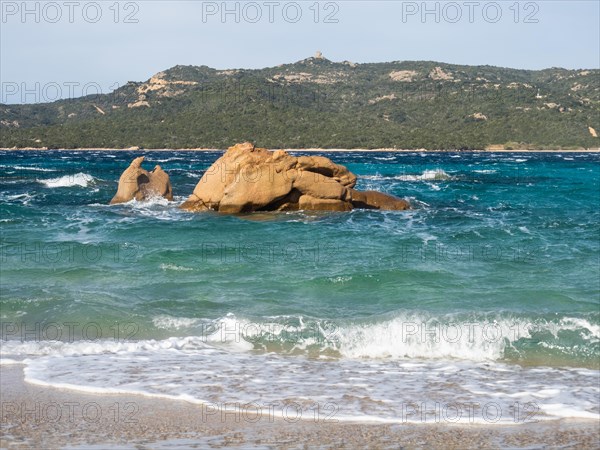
<point x="46" y="417"/>
<point x="308" y="150"/>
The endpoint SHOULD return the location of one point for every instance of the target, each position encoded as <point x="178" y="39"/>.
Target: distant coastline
<point x="316" y="102"/>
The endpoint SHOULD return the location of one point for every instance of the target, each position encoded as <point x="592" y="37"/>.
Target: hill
<point x="319" y="103"/>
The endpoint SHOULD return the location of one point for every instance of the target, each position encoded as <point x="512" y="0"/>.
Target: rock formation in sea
<point x="137" y="183"/>
<point x="247" y="179"/>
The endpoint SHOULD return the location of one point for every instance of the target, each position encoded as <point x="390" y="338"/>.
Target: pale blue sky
<point x="106" y="54"/>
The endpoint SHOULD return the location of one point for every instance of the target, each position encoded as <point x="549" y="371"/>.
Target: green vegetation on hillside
<point x="319" y="103"/>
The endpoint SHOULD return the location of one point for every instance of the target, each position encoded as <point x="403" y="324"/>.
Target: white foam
<point x="426" y="175"/>
<point x="21" y="198"/>
<point x="357" y="390"/>
<point x="155" y="200"/>
<point x="79" y="179"/>
<point x="565" y="411"/>
<point x="412" y="335"/>
<point x="176" y="268"/>
<point x="155" y="207"/>
<point x="174" y="323"/>
<point x="416" y="336"/>
<point x="588" y="330"/>
<point x="524" y="230"/>
<point x="62" y="349"/>
<point x="234" y="334"/>
<point x="31" y="168"/>
<point x="163" y="160"/>
<point x="371" y="370"/>
<point x="426" y="237"/>
<point x="433" y="175"/>
<point x="376" y="177"/>
<point x="340" y="279"/>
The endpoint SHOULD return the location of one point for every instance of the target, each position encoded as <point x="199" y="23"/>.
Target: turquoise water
<point x="495" y="269"/>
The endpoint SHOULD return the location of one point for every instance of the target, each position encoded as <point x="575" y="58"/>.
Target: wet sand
<point x="43" y="417"/>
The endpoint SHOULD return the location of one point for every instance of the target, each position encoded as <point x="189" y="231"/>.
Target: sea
<point x="480" y="305"/>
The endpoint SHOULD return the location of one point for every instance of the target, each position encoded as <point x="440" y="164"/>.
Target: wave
<point x="407" y="335"/>
<point x="195" y="174"/>
<point x="164" y="160"/>
<point x="478" y="340"/>
<point x="147" y="203"/>
<point x="415" y="336"/>
<point x="175" y="268"/>
<point x="426" y="175"/>
<point x="29" y="168"/>
<point x="79" y="179"/>
<point x="434" y="187"/>
<point x="382" y="371"/>
<point x="24" y="198"/>
<point x="167" y="322"/>
<point x="404" y="391"/>
<point x="429" y="175"/>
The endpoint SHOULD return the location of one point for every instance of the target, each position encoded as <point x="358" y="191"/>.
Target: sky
<point x="64" y="49"/>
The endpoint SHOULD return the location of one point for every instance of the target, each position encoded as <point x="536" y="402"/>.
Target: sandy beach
<point x="41" y="417"/>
